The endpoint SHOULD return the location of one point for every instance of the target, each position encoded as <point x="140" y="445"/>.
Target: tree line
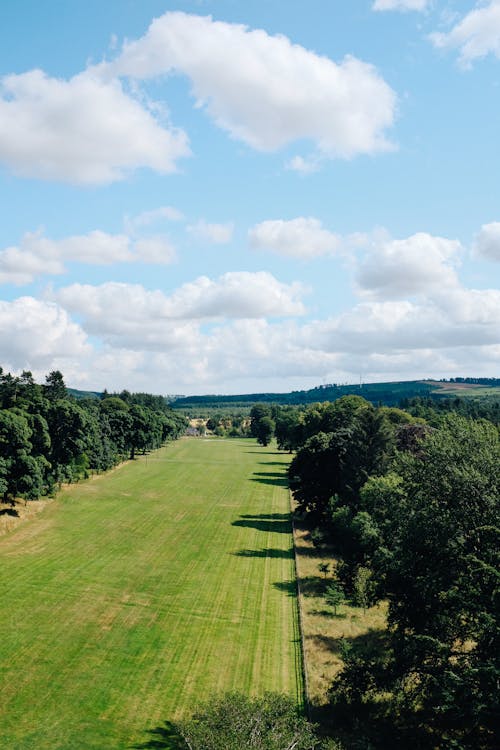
<point x="409" y="506"/>
<point x="48" y="437"/>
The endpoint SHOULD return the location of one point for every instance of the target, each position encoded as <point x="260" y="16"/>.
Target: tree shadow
<point x="288" y="587"/>
<point x="274" y="522"/>
<point x="267" y="516"/>
<point x="9" y="512"/>
<point x="273" y="463"/>
<point x="308" y="551"/>
<point x="278" y="479"/>
<point x="374" y="642"/>
<point x="286" y="554"/>
<point x="279" y="474"/>
<point x="165" y="736"/>
<point x="313" y="585"/>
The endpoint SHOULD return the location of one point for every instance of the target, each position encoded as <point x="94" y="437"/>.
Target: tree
<point x="441" y="570"/>
<point x="55" y="388"/>
<point x="262" y="425"/>
<point x="21" y="474"/>
<point x="324" y="568"/>
<point x="363" y="587"/>
<point x="265" y="432"/>
<point x="334" y="596"/>
<point x="235" y="722"/>
<point x="289" y="429"/>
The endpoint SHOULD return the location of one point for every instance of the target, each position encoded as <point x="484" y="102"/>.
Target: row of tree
<point x="412" y="513"/>
<point x="48" y="437"/>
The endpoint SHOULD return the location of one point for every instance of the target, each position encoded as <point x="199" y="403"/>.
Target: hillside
<point x="389" y="394"/>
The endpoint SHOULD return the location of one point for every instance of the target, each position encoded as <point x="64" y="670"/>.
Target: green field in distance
<point x="142" y="591"/>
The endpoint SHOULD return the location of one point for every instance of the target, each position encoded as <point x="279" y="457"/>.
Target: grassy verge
<point x="138" y="593"/>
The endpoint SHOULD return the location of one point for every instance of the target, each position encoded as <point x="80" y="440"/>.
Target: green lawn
<point x="138" y="593"/>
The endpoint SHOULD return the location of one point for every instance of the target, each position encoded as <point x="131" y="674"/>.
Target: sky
<point x="223" y="196"/>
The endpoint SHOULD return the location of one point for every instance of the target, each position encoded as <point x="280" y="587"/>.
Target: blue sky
<point x="224" y="196"/>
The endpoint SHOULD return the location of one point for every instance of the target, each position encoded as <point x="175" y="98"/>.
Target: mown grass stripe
<point x="138" y="593"/>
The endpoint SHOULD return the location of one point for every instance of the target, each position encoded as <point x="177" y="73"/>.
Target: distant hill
<point x="83" y="394"/>
<point x="385" y="393"/>
<point x="389" y="394"/>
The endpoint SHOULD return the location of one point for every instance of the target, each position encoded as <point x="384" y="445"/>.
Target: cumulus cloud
<point x="303" y="237"/>
<point x="400" y="4"/>
<point x="487" y="242"/>
<point x="416" y="265"/>
<point x="475" y="36"/>
<point x="217" y="234"/>
<point x="37" y="255"/>
<point x="150" y="319"/>
<point x="151" y="341"/>
<point x="35" y="333"/>
<point x="262" y="89"/>
<point x="462" y="320"/>
<point x="83" y="130"/>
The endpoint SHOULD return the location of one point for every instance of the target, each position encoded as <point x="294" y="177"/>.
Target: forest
<point x="47" y="437"/>
<point x="407" y="503"/>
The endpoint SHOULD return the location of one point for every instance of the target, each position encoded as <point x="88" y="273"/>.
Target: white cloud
<point x="149" y="341"/>
<point x="38" y="255"/>
<point x="487" y="242"/>
<point x="146" y="218"/>
<point x="403" y="5"/>
<point x="130" y="315"/>
<point x="157" y="249"/>
<point x="416" y="265"/>
<point x="83" y="130"/>
<point x="304" y="165"/>
<point x="34" y="334"/>
<point x="34" y="257"/>
<point x="264" y="90"/>
<point x="460" y="318"/>
<point x="298" y="238"/>
<point x="218" y="234"/>
<point x="476" y="35"/>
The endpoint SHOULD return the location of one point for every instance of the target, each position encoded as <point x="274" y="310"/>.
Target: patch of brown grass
<point x="13" y="515"/>
<point x="322" y="631"/>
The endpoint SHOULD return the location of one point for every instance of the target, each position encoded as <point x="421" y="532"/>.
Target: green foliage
<point x="334" y="596"/>
<point x="438" y="561"/>
<point x="338" y="462"/>
<point x="234" y="722"/>
<point x="363" y="587"/>
<point x="47" y="437"/>
<point x="262" y="425"/>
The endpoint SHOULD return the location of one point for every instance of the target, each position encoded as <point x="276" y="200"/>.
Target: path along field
<point x="137" y="593"/>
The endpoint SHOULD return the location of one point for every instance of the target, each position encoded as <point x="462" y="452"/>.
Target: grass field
<point x="137" y="593"/>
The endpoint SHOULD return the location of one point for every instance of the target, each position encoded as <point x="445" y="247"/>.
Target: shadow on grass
<point x="308" y="551"/>
<point x="288" y="587"/>
<point x="274" y="463"/>
<point x="373" y="642"/>
<point x="329" y="613"/>
<point x="286" y="554"/>
<point x="165" y="736"/>
<point x="276" y="522"/>
<point x="276" y="478"/>
<point x="9" y="512"/>
<point x="313" y="585"/>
